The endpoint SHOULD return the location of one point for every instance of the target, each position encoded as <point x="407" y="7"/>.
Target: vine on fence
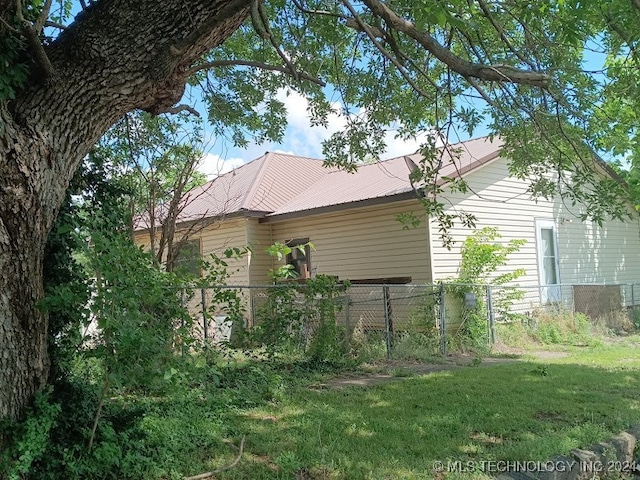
<point x="224" y="300"/>
<point x="482" y="255"/>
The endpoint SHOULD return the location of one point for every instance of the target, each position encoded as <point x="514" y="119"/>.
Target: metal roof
<point x="278" y="184"/>
<point x="389" y="177"/>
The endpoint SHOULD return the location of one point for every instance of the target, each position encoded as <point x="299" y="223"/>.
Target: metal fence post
<point x="633" y="305"/>
<point x="205" y="323"/>
<point x="347" y="320"/>
<point x="182" y="304"/>
<point x="387" y="317"/>
<point x="491" y="317"/>
<point x="443" y="336"/>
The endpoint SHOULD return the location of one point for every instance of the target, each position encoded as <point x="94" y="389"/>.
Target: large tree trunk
<point x="119" y="55"/>
<point x="24" y="217"/>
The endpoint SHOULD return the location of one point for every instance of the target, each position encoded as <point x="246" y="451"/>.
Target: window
<point x="188" y="259"/>
<point x="300" y="256"/>
<point x="548" y="266"/>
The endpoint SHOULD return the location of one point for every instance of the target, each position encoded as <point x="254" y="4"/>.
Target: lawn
<point x="518" y="411"/>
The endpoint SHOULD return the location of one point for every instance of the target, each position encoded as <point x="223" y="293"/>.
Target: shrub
<point x="482" y="255"/>
<point x="555" y="327"/>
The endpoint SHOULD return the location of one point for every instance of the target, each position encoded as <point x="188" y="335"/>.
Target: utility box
<point x="470" y="300"/>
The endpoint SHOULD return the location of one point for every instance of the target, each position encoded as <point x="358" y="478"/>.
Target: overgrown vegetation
<point x="301" y="315"/>
<point x="466" y="316"/>
<point x="560" y="326"/>
<point x="116" y="320"/>
<point x="136" y="365"/>
<point x="296" y="427"/>
<point x="140" y="398"/>
<point x="483" y="255"/>
<point x="556" y="327"/>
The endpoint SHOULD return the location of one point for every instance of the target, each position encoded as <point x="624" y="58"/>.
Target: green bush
<point x="557" y="327"/>
<point x="32" y="437"/>
<point x="303" y="317"/>
<point x="52" y="441"/>
<point x="482" y="255"/>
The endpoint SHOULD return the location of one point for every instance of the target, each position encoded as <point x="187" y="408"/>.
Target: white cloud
<point x="304" y="139"/>
<point x="301" y="138"/>
<point x="399" y="146"/>
<point x="213" y="165"/>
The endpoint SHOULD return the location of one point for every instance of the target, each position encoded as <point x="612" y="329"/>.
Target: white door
<point x="548" y="265"/>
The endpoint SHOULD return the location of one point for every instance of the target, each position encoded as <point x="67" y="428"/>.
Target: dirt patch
<point x="396" y="370"/>
<point x="547" y="355"/>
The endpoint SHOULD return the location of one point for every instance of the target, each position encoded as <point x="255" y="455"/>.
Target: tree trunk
<point x="23" y="230"/>
<point x="118" y="55"/>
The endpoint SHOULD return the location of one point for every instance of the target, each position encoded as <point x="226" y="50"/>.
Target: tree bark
<point x="118" y="55"/>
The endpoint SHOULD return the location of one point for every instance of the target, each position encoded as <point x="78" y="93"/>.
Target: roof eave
<point x="368" y="202"/>
<point x="211" y="219"/>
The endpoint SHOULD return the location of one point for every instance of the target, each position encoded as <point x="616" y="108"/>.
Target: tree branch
<point x="264" y="20"/>
<point x="495" y="73"/>
<point x="324" y="13"/>
<point x="256" y="21"/>
<point x="182" y="108"/>
<point x="44" y="14"/>
<point x="503" y="37"/>
<point x="30" y="33"/>
<point x="52" y="24"/>
<point x="383" y="50"/>
<point x="247" y="63"/>
<point x="481" y="92"/>
<point x="221" y="469"/>
<point x="361" y="26"/>
<point x="228" y="11"/>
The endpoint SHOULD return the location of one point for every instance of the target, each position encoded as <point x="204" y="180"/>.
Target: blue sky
<point x="300" y="139"/>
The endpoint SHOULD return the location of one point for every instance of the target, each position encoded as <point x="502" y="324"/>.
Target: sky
<point x="301" y="138"/>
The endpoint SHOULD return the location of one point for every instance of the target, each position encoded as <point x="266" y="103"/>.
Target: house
<point x="351" y="220"/>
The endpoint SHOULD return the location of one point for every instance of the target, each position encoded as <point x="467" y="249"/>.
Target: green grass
<point x="397" y="430"/>
<point x="519" y="411"/>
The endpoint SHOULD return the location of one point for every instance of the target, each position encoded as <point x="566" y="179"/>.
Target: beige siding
<point x="599" y="255"/>
<point x="216" y="239"/>
<point x="587" y="253"/>
<point x="500" y="201"/>
<point x="220" y="236"/>
<point x="142" y="239"/>
<point x="363" y="243"/>
<point x="259" y="236"/>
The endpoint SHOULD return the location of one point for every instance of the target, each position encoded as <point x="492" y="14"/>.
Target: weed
<point x="549" y="327"/>
<point x="482" y="255"/>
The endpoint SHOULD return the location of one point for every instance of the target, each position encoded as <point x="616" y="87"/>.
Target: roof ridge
<point x="215" y="179"/>
<point x="458" y="144"/>
<point x="286" y="154"/>
<point x="257" y="180"/>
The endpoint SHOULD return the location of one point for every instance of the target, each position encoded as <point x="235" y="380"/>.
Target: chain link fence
<point x="436" y="319"/>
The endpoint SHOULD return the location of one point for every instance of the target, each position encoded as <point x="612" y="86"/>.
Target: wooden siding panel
<point x="363" y="243"/>
<point x="259" y="238"/>
<point x="587" y="253"/>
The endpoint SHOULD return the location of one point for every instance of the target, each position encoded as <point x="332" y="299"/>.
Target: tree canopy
<point x="555" y="78"/>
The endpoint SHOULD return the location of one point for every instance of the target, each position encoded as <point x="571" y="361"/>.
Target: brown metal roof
<point x="276" y="185"/>
<point x="262" y="185"/>
<point x="388" y="178"/>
